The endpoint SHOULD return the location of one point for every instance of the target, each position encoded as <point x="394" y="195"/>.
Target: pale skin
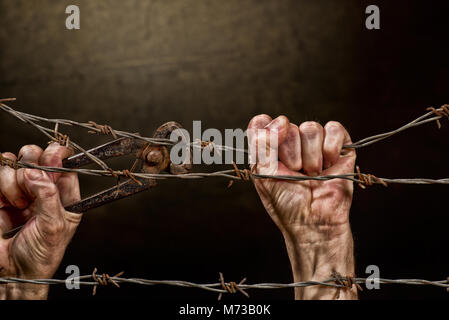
<point x="37" y="198"/>
<point x="313" y="216"/>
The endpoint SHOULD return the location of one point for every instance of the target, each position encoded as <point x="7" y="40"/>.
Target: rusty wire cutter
<point x="152" y="157"/>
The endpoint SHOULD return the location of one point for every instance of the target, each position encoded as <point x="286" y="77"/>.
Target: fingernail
<point x="34" y="174"/>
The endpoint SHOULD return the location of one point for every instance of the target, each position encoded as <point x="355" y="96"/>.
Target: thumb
<point x="46" y="206"/>
<point x="266" y="145"/>
<point x="278" y="127"/>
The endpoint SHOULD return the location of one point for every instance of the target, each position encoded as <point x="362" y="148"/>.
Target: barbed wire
<point x="95" y="128"/>
<point x="237" y="174"/>
<point x="102" y="129"/>
<point x="437" y="113"/>
<point x="222" y="287"/>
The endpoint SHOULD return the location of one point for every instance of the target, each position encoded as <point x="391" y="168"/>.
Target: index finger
<point x="53" y="156"/>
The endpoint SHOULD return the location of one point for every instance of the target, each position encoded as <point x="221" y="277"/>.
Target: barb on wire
<point x="441" y="112"/>
<point x="245" y="175"/>
<point x="94" y="128"/>
<point x="426" y="118"/>
<point x="335" y="280"/>
<point x="368" y="179"/>
<point x="438" y="114"/>
<point x="104" y="280"/>
<point x="104" y="129"/>
<point x="56" y="135"/>
<point x="237" y="174"/>
<point x="221" y="287"/>
<point x="232" y="287"/>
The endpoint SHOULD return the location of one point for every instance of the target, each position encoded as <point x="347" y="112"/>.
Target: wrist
<point x="317" y="259"/>
<point x="315" y="252"/>
<point x="23" y="291"/>
<point x="315" y="234"/>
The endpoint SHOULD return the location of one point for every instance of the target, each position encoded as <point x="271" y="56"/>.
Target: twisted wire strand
<point x="236" y="174"/>
<point x="27" y="119"/>
<point x="239" y="174"/>
<point x="95" y="128"/>
<point x="229" y="174"/>
<point x="438" y="114"/>
<point x="333" y="281"/>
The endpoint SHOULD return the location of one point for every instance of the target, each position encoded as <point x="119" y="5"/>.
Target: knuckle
<point x="334" y="127"/>
<point x="54" y="227"/>
<point x="331" y="150"/>
<point x="292" y="135"/>
<point x="259" y="121"/>
<point x="48" y="192"/>
<point x="310" y="128"/>
<point x="283" y="118"/>
<point x="8" y="181"/>
<point x="29" y="149"/>
<point x="310" y="125"/>
<point x="9" y="155"/>
<point x="55" y="147"/>
<point x="293" y="126"/>
<point x="32" y="174"/>
<point x="262" y="116"/>
<point x="7" y="173"/>
<point x="51" y="159"/>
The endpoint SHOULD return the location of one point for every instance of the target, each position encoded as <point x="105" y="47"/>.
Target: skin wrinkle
<point x="311" y="136"/>
<point x="72" y="217"/>
<point x="322" y="259"/>
<point x="313" y="216"/>
<point x="37" y="250"/>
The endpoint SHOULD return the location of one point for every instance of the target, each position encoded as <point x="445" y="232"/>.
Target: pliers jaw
<point x="152" y="157"/>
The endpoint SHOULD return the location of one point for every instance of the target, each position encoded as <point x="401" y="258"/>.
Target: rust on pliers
<point x="152" y="158"/>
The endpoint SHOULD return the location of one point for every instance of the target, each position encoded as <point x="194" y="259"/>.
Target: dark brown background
<point x="136" y="64"/>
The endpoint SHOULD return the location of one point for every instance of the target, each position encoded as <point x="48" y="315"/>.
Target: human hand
<point x="36" y="198"/>
<point x="313" y="216"/>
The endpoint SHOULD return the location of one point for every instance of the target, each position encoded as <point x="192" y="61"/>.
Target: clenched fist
<point x="313" y="216"/>
<point x="36" y="198"/>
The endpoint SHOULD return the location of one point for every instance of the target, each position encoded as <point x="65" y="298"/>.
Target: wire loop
<point x="440" y="112"/>
<point x="104" y="129"/>
<point x="368" y="179"/>
<point x="232" y="287"/>
<point x="104" y="280"/>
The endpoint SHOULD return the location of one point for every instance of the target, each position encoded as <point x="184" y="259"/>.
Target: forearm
<point x="315" y="253"/>
<point x="22" y="291"/>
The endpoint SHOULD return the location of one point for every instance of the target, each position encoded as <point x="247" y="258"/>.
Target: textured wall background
<point x="136" y="64"/>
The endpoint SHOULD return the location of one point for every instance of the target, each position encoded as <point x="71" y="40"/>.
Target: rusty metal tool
<point x="153" y="159"/>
